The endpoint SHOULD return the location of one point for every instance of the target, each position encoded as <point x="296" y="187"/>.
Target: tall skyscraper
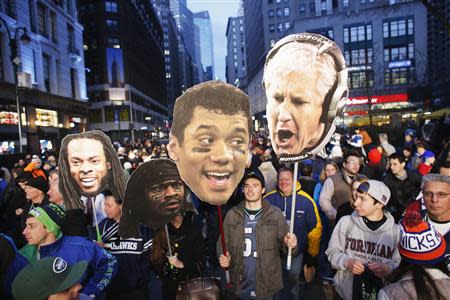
<point x="124" y="50"/>
<point x="236" y="67"/>
<point x="186" y="28"/>
<point x="171" y="55"/>
<point x="203" y="21"/>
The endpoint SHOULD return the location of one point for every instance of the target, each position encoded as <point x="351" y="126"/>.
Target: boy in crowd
<point x="364" y="245"/>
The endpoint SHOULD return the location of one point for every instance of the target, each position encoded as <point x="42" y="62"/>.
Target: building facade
<point x="439" y="52"/>
<point x="206" y="47"/>
<point x="171" y="57"/>
<point x="184" y="19"/>
<point x="51" y="87"/>
<point x="123" y="46"/>
<point x="236" y="65"/>
<point x="384" y="44"/>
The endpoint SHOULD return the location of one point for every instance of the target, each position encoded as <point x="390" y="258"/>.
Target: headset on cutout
<point x="336" y="98"/>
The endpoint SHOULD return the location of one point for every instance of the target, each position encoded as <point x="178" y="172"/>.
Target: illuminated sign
<point x="400" y="64"/>
<point x="116" y="94"/>
<point x="377" y="99"/>
<point x="359" y="68"/>
<point x="8" y="118"/>
<point x="75" y="120"/>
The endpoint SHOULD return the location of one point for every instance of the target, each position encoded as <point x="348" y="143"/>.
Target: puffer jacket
<point x="270" y="232"/>
<point x="405" y="289"/>
<point x="102" y="266"/>
<point x="307" y="223"/>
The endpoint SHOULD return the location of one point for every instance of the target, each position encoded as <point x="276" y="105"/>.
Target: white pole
<point x="291" y="225"/>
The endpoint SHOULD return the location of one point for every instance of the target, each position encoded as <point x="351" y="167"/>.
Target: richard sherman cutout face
<point x="88" y="162"/>
<point x="305" y="79"/>
<point x="154" y="195"/>
<point x="209" y="139"/>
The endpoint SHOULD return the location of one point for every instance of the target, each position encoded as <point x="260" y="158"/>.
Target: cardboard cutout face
<point x="154" y="195"/>
<point x="88" y="162"/>
<point x="88" y="165"/>
<point x="303" y="98"/>
<point x="210" y="138"/>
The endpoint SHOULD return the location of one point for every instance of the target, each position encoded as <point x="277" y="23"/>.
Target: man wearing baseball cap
<point x="364" y="246"/>
<point x="50" y="278"/>
<point x="44" y="237"/>
<point x="265" y="232"/>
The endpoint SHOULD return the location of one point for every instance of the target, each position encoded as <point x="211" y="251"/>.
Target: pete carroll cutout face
<point x="209" y="139"/>
<point x="88" y="162"/>
<point x="305" y="79"/>
<point x="154" y="195"/>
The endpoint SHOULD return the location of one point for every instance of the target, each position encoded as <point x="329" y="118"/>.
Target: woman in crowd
<point x="347" y="208"/>
<point x="187" y="257"/>
<point x="417" y="276"/>
<point x="132" y="278"/>
<point x="330" y="168"/>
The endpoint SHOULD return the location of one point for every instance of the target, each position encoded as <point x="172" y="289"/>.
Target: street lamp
<point x="15" y="60"/>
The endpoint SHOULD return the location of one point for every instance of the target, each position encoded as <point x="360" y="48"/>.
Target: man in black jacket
<point x="403" y="184"/>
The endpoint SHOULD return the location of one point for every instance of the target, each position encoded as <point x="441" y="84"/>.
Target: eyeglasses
<point x="352" y="162"/>
<point x="439" y="195"/>
<point x="363" y="188"/>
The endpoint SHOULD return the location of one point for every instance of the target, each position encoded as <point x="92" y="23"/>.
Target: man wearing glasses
<point x="436" y="209"/>
<point x="336" y="189"/>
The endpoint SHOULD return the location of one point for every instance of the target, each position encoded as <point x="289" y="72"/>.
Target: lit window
<point x="110" y="6"/>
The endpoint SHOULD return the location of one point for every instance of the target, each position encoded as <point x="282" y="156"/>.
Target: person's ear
<point x="172" y="148"/>
<point x="108" y="165"/>
<point x="263" y="191"/>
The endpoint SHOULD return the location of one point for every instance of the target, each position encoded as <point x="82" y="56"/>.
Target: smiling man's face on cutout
<point x="88" y="165"/>
<point x="211" y="159"/>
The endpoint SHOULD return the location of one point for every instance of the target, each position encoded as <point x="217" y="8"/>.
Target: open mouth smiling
<point x="88" y="181"/>
<point x="219" y="180"/>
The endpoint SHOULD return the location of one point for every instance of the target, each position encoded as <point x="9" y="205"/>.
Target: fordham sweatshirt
<point x="352" y="238"/>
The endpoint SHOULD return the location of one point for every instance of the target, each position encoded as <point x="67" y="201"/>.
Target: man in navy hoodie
<point x="44" y="239"/>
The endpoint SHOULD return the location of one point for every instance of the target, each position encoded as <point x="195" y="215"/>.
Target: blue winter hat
<point x="411" y="132"/>
<point x="427" y="154"/>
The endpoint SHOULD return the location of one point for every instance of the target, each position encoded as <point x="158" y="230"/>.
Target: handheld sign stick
<point x="99" y="237"/>
<point x="291" y="225"/>
<point x="224" y="248"/>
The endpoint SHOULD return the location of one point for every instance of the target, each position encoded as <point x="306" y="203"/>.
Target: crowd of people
<point x="371" y="221"/>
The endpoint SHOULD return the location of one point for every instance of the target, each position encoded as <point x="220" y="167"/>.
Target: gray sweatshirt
<point x="351" y="238"/>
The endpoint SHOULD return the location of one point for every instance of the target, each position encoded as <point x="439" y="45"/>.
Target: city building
<point x="203" y="21"/>
<point x="123" y="48"/>
<point x="184" y="19"/>
<point x="235" y="65"/>
<point x="43" y="39"/>
<point x="384" y="44"/>
<point x="439" y="52"/>
<point x="171" y="57"/>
